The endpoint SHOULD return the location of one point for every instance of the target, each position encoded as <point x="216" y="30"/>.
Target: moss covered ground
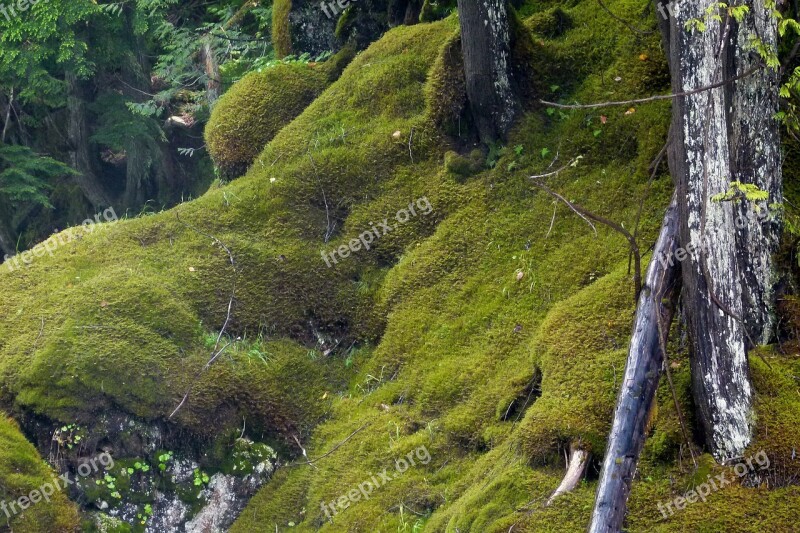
<point x="492" y="332"/>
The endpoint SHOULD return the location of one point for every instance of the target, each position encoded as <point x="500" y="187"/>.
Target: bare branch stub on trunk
<point x="486" y="44"/>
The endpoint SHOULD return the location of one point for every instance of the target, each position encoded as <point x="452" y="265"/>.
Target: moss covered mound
<point x="478" y="338"/>
<point x="249" y="115"/>
<point x="25" y="475"/>
<point x="123" y="319"/>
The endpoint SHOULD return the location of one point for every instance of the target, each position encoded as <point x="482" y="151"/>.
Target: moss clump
<point x="345" y="22"/>
<point x="281" y="34"/>
<point x="462" y="166"/>
<point x="551" y="23"/>
<point x="249" y="115"/>
<point x="433" y="10"/>
<point x="23" y="473"/>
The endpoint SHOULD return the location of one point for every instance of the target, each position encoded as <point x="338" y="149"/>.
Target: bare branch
<point x="586" y="215"/>
<point x="659" y="97"/>
<point x="312" y="461"/>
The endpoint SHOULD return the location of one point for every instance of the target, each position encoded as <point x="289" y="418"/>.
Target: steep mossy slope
<point x="490" y="333"/>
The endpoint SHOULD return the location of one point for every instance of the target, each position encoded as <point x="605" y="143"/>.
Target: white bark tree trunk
<point x="718" y="136"/>
<point x="724" y="135"/>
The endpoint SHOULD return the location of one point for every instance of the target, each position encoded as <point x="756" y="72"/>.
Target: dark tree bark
<point x="81" y="156"/>
<point x="486" y="44"/>
<point x="6" y="241"/>
<point x="149" y="161"/>
<point x="720" y="136"/>
<point x="642" y="372"/>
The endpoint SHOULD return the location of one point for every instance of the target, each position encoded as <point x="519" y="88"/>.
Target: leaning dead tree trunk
<point x="642" y="372"/>
<point x="486" y="45"/>
<point x="724" y="135"/>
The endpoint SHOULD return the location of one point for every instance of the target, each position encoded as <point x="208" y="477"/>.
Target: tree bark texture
<point x="486" y="44"/>
<point x="80" y="154"/>
<point x="720" y="136"/>
<point x="640" y="383"/>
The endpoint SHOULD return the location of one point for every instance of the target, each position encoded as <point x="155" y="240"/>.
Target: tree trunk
<point x="78" y="136"/>
<point x="642" y="372"/>
<point x="145" y="166"/>
<point x="719" y="136"/>
<point x="486" y="44"/>
<point x="211" y="68"/>
<point x="756" y="159"/>
<point x="7" y="243"/>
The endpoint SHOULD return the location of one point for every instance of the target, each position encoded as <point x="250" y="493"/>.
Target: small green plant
<point x="146" y="513"/>
<point x="741" y="191"/>
<point x="713" y="12"/>
<point x="68" y="436"/>
<point x="200" y="478"/>
<point x="141" y="467"/>
<point x="111" y="484"/>
<point x="163" y="459"/>
<point x="496" y="151"/>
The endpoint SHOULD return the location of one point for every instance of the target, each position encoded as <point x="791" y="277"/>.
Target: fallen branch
<point x="216" y="352"/>
<point x="576" y="465"/>
<point x="312" y="461"/>
<point x="642" y="372"/>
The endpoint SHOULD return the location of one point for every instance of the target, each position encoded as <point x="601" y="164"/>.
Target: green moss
<point x="492" y="331"/>
<point x="461" y="166"/>
<point x="281" y="34"/>
<point x="551" y="23"/>
<point x="249" y="115"/>
<point x="23" y="472"/>
<point x="446" y="91"/>
<point x="345" y="22"/>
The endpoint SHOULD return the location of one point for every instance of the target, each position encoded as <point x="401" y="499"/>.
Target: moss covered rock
<point x="489" y="332"/>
